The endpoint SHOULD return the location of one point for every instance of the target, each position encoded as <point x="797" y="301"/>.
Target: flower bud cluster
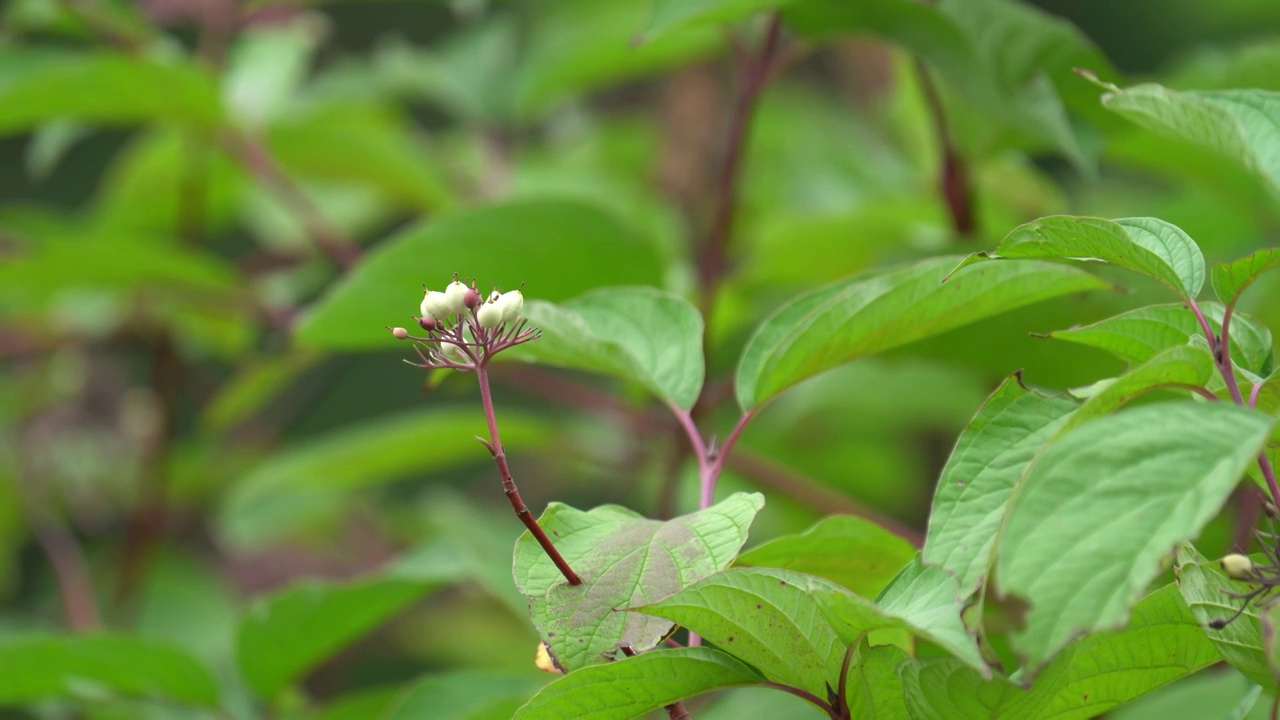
<point x="463" y="332"/>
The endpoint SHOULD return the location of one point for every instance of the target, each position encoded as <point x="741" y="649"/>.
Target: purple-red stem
<point x="953" y="175"/>
<point x="509" y="484"/>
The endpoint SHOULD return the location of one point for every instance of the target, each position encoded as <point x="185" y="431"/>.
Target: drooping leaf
<point x="635" y="333"/>
<point x="873" y="312"/>
<point x="845" y="549"/>
<point x="1148" y="246"/>
<point x="922" y="601"/>
<point x="464" y="696"/>
<point x="1183" y="366"/>
<point x="623" y="560"/>
<point x="259" y="506"/>
<point x="559" y="248"/>
<point x="1231" y="279"/>
<point x="633" y="686"/>
<point x="1084" y="535"/>
<point x="1138" y="335"/>
<point x="1235" y="124"/>
<point x="36" y="667"/>
<point x="41" y="85"/>
<point x="979" y="477"/>
<point x="1240" y="642"/>
<point x="765" y="617"/>
<point x="287" y="633"/>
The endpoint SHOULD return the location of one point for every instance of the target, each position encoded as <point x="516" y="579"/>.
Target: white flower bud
<point x="512" y="304"/>
<point x="489" y="315"/>
<point x="455" y="296"/>
<point x="1237" y="566"/>
<point x="454" y="353"/>
<point x="493" y="296"/>
<point x="434" y="305"/>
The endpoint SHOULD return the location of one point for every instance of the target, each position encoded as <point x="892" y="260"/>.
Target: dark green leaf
<point x="633" y="686"/>
<point x="979" y="477"/>
<point x="1231" y="279"/>
<point x="560" y="248"/>
<point x="870" y="313"/>
<point x="1156" y="473"/>
<point x="38" y="667"/>
<point x="848" y="550"/>
<point x="765" y="617"/>
<point x="624" y="560"/>
<point x="638" y="334"/>
<point x="1148" y="246"/>
<point x="40" y="85"/>
<point x="288" y="632"/>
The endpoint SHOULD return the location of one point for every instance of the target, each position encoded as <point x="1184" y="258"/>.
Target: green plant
<point x="227" y="487"/>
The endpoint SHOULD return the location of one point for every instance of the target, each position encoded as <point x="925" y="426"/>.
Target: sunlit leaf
<point x="981" y="474"/>
<point x="873" y="312"/>
<point x="633" y="686"/>
<point x="1098" y="509"/>
<point x="1186" y="366"/>
<point x="638" y="334"/>
<point x="1231" y="279"/>
<point x="624" y="560"/>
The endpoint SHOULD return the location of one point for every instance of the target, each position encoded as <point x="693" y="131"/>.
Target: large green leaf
<point x="41" y="85"/>
<point x="1138" y="335"/>
<point x="1185" y="366"/>
<point x="633" y="686"/>
<point x="1236" y="124"/>
<point x="38" y="667"/>
<point x="872" y="312"/>
<point x="1084" y="535"/>
<point x="264" y="501"/>
<point x="464" y="696"/>
<point x="979" y="477"/>
<point x="1231" y="279"/>
<point x="874" y="687"/>
<point x="1205" y="589"/>
<point x="922" y="601"/>
<point x="1149" y="246"/>
<point x="287" y="633"/>
<point x="624" y="560"/>
<point x="845" y="549"/>
<point x="560" y="248"/>
<point x="1160" y="644"/>
<point x="639" y="334"/>
<point x="767" y="618"/>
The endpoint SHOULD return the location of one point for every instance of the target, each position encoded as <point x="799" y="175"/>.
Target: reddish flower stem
<point x="509" y="484"/>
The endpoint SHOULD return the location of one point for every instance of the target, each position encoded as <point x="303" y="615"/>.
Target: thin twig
<point x="677" y="711"/>
<point x="714" y="462"/>
<point x="70" y="572"/>
<point x="494" y="445"/>
<point x="953" y="174"/>
<point x="804" y="695"/>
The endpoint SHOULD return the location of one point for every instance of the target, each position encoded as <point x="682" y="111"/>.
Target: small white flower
<point x="455" y="296"/>
<point x="490" y="314"/>
<point x="512" y="304"/>
<point x="454" y="353"/>
<point x="435" y="305"/>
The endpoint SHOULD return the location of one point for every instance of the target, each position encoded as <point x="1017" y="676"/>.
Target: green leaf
<point x="1271" y="640"/>
<point x="633" y="686"/>
<point x="673" y="14"/>
<point x="1241" y="642"/>
<point x="289" y="632"/>
<point x="560" y="248"/>
<point x="1098" y="509"/>
<point x="464" y="696"/>
<point x="1231" y="279"/>
<point x="260" y="505"/>
<point x="979" y="477"/>
<point x="1148" y="246"/>
<point x="874" y="687"/>
<point x="42" y="85"/>
<point x="922" y="601"/>
<point x="1204" y="694"/>
<point x="1138" y="335"/>
<point x="36" y="667"/>
<point x="845" y="549"/>
<point x="634" y="333"/>
<point x="1236" y="124"/>
<point x="1184" y="366"/>
<point x="253" y="387"/>
<point x="623" y="560"/>
<point x="765" y="617"/>
<point x="1160" y="644"/>
<point x="869" y="313"/>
